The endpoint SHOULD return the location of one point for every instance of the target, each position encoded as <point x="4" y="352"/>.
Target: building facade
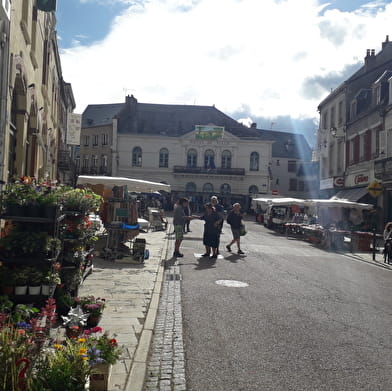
<point x="37" y="99"/>
<point x="198" y="150"/>
<point x="353" y="135"/>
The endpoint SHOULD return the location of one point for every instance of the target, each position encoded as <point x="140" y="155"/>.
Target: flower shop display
<point x="93" y="307"/>
<point x="74" y="322"/>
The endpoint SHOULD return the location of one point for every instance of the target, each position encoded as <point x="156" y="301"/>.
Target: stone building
<point x="198" y="150"/>
<point x="38" y="99"/>
<point x="355" y="127"/>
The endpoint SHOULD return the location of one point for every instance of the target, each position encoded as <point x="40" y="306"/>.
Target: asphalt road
<point x="308" y="319"/>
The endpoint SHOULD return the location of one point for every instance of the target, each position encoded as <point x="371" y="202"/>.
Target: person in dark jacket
<point x="234" y="219"/>
<point x="212" y="222"/>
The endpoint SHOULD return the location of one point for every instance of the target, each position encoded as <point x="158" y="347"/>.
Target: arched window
<point x="191" y="158"/>
<point x="209" y="159"/>
<point x="253" y="189"/>
<point x="164" y="157"/>
<point x="137" y="157"/>
<point x="208" y="188"/>
<point x="254" y="161"/>
<point x="226" y="159"/>
<point x="190" y="187"/>
<point x="225" y="189"/>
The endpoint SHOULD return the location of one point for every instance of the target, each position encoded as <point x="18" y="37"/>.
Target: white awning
<point x="133" y="185"/>
<point x="353" y="195"/>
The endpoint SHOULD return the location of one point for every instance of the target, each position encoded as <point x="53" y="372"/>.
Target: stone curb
<point x="137" y="374"/>
<point x="370" y="261"/>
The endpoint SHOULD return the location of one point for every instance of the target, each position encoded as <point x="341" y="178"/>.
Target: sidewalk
<point x="368" y="257"/>
<point x="132" y="295"/>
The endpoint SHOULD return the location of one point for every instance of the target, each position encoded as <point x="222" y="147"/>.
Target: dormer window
<point x="289" y="145"/>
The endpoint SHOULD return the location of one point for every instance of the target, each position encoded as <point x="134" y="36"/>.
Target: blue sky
<point x="264" y="61"/>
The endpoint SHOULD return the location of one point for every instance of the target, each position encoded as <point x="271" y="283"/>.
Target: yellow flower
<point x="57" y="346"/>
<point x="82" y="340"/>
<point x="82" y="351"/>
<point x="84" y="358"/>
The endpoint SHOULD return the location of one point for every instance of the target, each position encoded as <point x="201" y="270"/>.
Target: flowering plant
<point x="81" y="200"/>
<point x="91" y="305"/>
<point x="102" y="348"/>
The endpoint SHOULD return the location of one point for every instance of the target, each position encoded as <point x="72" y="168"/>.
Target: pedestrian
<point x="234" y="219"/>
<point x="187" y="211"/>
<point x="221" y="212"/>
<point x="179" y="219"/>
<point x="212" y="223"/>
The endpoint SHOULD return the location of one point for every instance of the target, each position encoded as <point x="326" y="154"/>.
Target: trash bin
<point x="361" y="241"/>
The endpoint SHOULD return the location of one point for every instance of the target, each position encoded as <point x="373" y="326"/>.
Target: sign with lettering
<point x="361" y="179"/>
<point x="209" y="132"/>
<point x="338" y="181"/>
<point x="74" y="124"/>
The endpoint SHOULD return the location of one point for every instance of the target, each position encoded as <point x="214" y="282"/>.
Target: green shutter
<point x="46" y="5"/>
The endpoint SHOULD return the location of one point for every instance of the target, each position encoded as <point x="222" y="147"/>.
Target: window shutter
<point x="347" y="153"/>
<point x="356" y="150"/>
<point x="368" y="145"/>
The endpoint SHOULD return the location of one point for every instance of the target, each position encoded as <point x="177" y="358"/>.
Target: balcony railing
<point x="213" y="171"/>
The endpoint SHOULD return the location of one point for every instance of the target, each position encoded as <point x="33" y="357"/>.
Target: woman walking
<point x="234" y="219"/>
<point x="211" y="231"/>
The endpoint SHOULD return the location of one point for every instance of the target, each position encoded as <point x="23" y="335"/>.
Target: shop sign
<point x="338" y="181"/>
<point x="361" y="179"/>
<point x="375" y="189"/>
<point x="326" y="183"/>
<point x="209" y="132"/>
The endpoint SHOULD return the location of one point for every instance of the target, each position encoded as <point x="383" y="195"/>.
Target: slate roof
<point x="177" y="120"/>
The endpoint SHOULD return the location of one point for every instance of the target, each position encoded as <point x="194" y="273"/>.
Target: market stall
<point x="120" y="213"/>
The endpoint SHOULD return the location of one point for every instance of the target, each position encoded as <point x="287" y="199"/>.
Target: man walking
<point x="179" y="219"/>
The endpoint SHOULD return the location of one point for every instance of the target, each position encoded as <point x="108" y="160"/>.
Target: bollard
<point x="374" y="244"/>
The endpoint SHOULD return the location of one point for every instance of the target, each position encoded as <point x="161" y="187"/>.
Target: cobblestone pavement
<point x="166" y="367"/>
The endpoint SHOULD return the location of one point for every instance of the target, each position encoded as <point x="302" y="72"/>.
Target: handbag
<point x="242" y="230"/>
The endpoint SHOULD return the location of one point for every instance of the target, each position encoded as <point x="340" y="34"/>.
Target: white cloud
<point x="230" y="53"/>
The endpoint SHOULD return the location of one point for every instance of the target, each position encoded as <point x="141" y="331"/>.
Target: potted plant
<point x="49" y="202"/>
<point x="5" y="304"/>
<point x="103" y="352"/>
<point x="34" y="282"/>
<point x="50" y="280"/>
<point x="93" y="307"/>
<point x="20" y="277"/>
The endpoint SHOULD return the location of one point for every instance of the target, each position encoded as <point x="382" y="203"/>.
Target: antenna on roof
<point x="125" y="90"/>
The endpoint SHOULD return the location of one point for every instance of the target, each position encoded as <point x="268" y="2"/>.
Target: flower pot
<point x="34" y="290"/>
<point x="7" y="290"/>
<point x="48" y="290"/>
<point x="92" y="320"/>
<point x="15" y="210"/>
<point x="100" y="377"/>
<point x="20" y="290"/>
<point x="50" y="211"/>
<point x="72" y="332"/>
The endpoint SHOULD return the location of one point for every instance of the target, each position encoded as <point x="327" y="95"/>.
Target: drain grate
<point x="173" y="277"/>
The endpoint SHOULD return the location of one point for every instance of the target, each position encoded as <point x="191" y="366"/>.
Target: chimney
<point x="386" y="42"/>
<point x="370" y="59"/>
<point x="253" y="125"/>
<point x="129" y="100"/>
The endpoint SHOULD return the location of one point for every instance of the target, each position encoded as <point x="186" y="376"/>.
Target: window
<point x="225" y="189"/>
<point x="253" y="190"/>
<point x="362" y="148"/>
<point x="226" y="159"/>
<point x="95" y="140"/>
<point x="137" y="157"/>
<point x="301" y="186"/>
<point x="86" y="140"/>
<point x="293" y="184"/>
<point x="208" y="188"/>
<point x="254" y="161"/>
<point x="292" y="166"/>
<point x="190" y="187"/>
<point x="277" y="181"/>
<point x="191" y="158"/>
<point x="209" y="159"/>
<point x="77" y="162"/>
<point x="278" y="162"/>
<point x="85" y="161"/>
<point x="340" y="113"/>
<point x="94" y="161"/>
<point x="105" y="139"/>
<point x="164" y="157"/>
<point x="104" y="161"/>
<point x="325" y="120"/>
<point x="332" y="118"/>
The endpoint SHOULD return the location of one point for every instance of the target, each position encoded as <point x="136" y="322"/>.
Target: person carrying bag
<point x="234" y="219"/>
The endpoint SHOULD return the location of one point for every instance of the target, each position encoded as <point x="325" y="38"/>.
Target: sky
<point x="266" y="61"/>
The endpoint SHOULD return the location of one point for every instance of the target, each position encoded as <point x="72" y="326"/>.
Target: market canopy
<point x="133" y="185"/>
<point x="287" y="201"/>
<point x="336" y="203"/>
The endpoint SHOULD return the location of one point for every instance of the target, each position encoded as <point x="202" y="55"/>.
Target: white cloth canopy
<point x="333" y="203"/>
<point x="133" y="185"/>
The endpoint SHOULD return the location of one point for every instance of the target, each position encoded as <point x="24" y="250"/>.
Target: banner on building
<point x="74" y="124"/>
<point x="46" y="5"/>
<point x="209" y="132"/>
